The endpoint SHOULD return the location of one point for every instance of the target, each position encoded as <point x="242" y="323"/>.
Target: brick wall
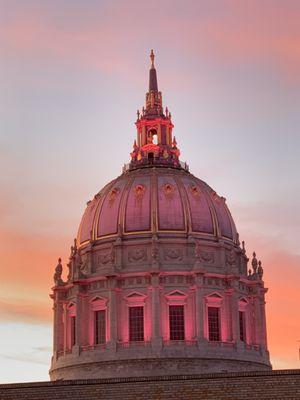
<point x="278" y="384"/>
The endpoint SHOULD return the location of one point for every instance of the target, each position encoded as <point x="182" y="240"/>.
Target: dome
<point x="158" y="283"/>
<point x="164" y="201"/>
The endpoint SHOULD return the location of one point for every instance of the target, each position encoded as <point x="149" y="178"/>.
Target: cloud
<point x="104" y="36"/>
<point x="23" y="310"/>
<point x="26" y="359"/>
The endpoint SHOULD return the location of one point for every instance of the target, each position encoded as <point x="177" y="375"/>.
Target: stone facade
<point x="158" y="282"/>
<point x="269" y="385"/>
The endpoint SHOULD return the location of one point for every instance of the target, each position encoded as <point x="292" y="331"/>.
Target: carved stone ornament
<point x="172" y="254"/>
<point x="195" y="191"/>
<point x="154" y="253"/>
<point x="197" y="251"/>
<point x="84" y="264"/>
<point x="207" y="257"/>
<point x="139" y="191"/>
<point x="135" y="255"/>
<point x="112" y="196"/>
<point x="107" y="257"/>
<point x="202" y="255"/>
<point x="168" y="189"/>
<point x="230" y="258"/>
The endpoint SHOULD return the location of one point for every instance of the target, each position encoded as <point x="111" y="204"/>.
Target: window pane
<point x="213" y="324"/>
<point x="100" y="327"/>
<point x="136" y="324"/>
<point x="73" y="330"/>
<point x="242" y="326"/>
<point x="176" y="320"/>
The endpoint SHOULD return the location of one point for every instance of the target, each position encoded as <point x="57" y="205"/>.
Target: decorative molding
<point x="208" y="257"/>
<point x="230" y="258"/>
<point x="137" y="255"/>
<point x="139" y="191"/>
<point x="106" y="257"/>
<point x="112" y="196"/>
<point x="172" y="254"/>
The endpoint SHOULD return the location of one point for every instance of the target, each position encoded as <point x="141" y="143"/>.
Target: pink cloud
<point x="251" y="33"/>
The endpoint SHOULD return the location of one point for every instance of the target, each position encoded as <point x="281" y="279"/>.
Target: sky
<point x="73" y="74"/>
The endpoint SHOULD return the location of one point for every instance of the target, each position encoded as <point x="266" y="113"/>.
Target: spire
<point x="155" y="144"/>
<point x="152" y="75"/>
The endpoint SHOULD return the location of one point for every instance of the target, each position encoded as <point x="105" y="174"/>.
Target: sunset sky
<point x="72" y="75"/>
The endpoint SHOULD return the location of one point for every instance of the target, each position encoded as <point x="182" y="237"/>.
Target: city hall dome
<point x="156" y="199"/>
<point x="158" y="282"/>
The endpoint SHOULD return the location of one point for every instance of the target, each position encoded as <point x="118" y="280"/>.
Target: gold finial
<point x="152" y="58"/>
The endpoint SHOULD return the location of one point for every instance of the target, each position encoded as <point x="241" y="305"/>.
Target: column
<point x="229" y="314"/>
<point x="78" y="323"/>
<point x="234" y="316"/>
<point x="58" y="326"/>
<point x="263" y="322"/>
<point x="156" y="314"/>
<point x="199" y="309"/>
<point x="112" y="306"/>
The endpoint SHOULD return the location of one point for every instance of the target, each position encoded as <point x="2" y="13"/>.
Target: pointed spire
<point x="152" y="58"/>
<point x="152" y="75"/>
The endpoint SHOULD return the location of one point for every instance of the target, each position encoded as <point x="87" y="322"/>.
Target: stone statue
<point x="73" y="249"/>
<point x="254" y="263"/>
<point x="260" y="270"/>
<point x="57" y="275"/>
<point x="238" y="239"/>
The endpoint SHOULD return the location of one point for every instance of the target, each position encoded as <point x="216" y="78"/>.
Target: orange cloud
<point x="25" y="311"/>
<point x="28" y="263"/>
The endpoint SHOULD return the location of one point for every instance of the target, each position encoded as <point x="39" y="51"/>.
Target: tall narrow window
<point x="213" y="324"/>
<point x="136" y="324"/>
<point x="100" y="326"/>
<point x="242" y="326"/>
<point x="176" y="321"/>
<point x="73" y="330"/>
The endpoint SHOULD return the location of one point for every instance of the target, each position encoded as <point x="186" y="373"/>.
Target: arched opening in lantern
<point x="152" y="136"/>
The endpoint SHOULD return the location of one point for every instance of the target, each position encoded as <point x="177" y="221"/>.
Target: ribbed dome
<point x="156" y="200"/>
<point x="157" y="281"/>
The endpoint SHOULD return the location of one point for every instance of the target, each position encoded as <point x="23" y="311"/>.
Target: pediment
<point x="243" y="300"/>
<point x="134" y="295"/>
<point x="214" y="295"/>
<point x="97" y="299"/>
<point x="176" y="293"/>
